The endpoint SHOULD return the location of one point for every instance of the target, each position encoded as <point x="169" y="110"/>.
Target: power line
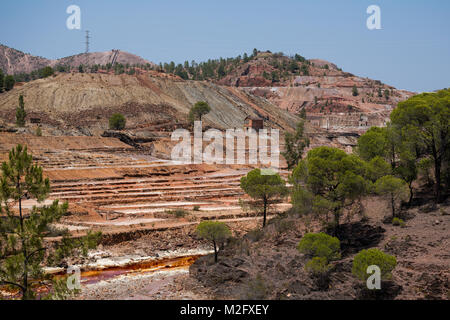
<point x="87" y="41"/>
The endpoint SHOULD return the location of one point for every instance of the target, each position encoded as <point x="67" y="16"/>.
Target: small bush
<point x="117" y="122"/>
<point x="179" y="213"/>
<point x="320" y="245"/>
<point x="46" y="72"/>
<point x="317" y="266"/>
<point x="196" y="208"/>
<point x="39" y="132"/>
<point x="398" y="222"/>
<point x="370" y="257"/>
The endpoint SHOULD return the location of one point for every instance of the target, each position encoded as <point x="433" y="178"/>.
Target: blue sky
<point x="411" y="51"/>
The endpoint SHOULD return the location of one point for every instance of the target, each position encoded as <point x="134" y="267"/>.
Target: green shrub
<point x="9" y="82"/>
<point x="320" y="245"/>
<point x="117" y="122"/>
<point x="46" y="72"/>
<point x="398" y="222"/>
<point x="196" y="208"/>
<point x="317" y="266"/>
<point x="370" y="257"/>
<point x="319" y="269"/>
<point x="38" y="132"/>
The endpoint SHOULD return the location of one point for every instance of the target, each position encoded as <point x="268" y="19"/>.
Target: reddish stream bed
<point x="91" y="276"/>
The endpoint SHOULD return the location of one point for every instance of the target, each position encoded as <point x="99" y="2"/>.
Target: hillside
<point x="102" y="58"/>
<point x="339" y="106"/>
<point x="332" y="98"/>
<point x="82" y="103"/>
<point x="13" y="61"/>
<point x="294" y="83"/>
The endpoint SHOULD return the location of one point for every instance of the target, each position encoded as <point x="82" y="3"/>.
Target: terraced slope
<point x="114" y="188"/>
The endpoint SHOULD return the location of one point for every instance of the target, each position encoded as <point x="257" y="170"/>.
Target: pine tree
<point x="295" y="143"/>
<point x="214" y="231"/>
<point x="21" y="113"/>
<point x="200" y="109"/>
<point x="265" y="189"/>
<point x="9" y="82"/>
<point x="23" y="250"/>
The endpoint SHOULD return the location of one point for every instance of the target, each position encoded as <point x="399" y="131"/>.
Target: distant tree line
<point x="7" y="82"/>
<point x="34" y="75"/>
<point x="216" y="69"/>
<point x="49" y="71"/>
